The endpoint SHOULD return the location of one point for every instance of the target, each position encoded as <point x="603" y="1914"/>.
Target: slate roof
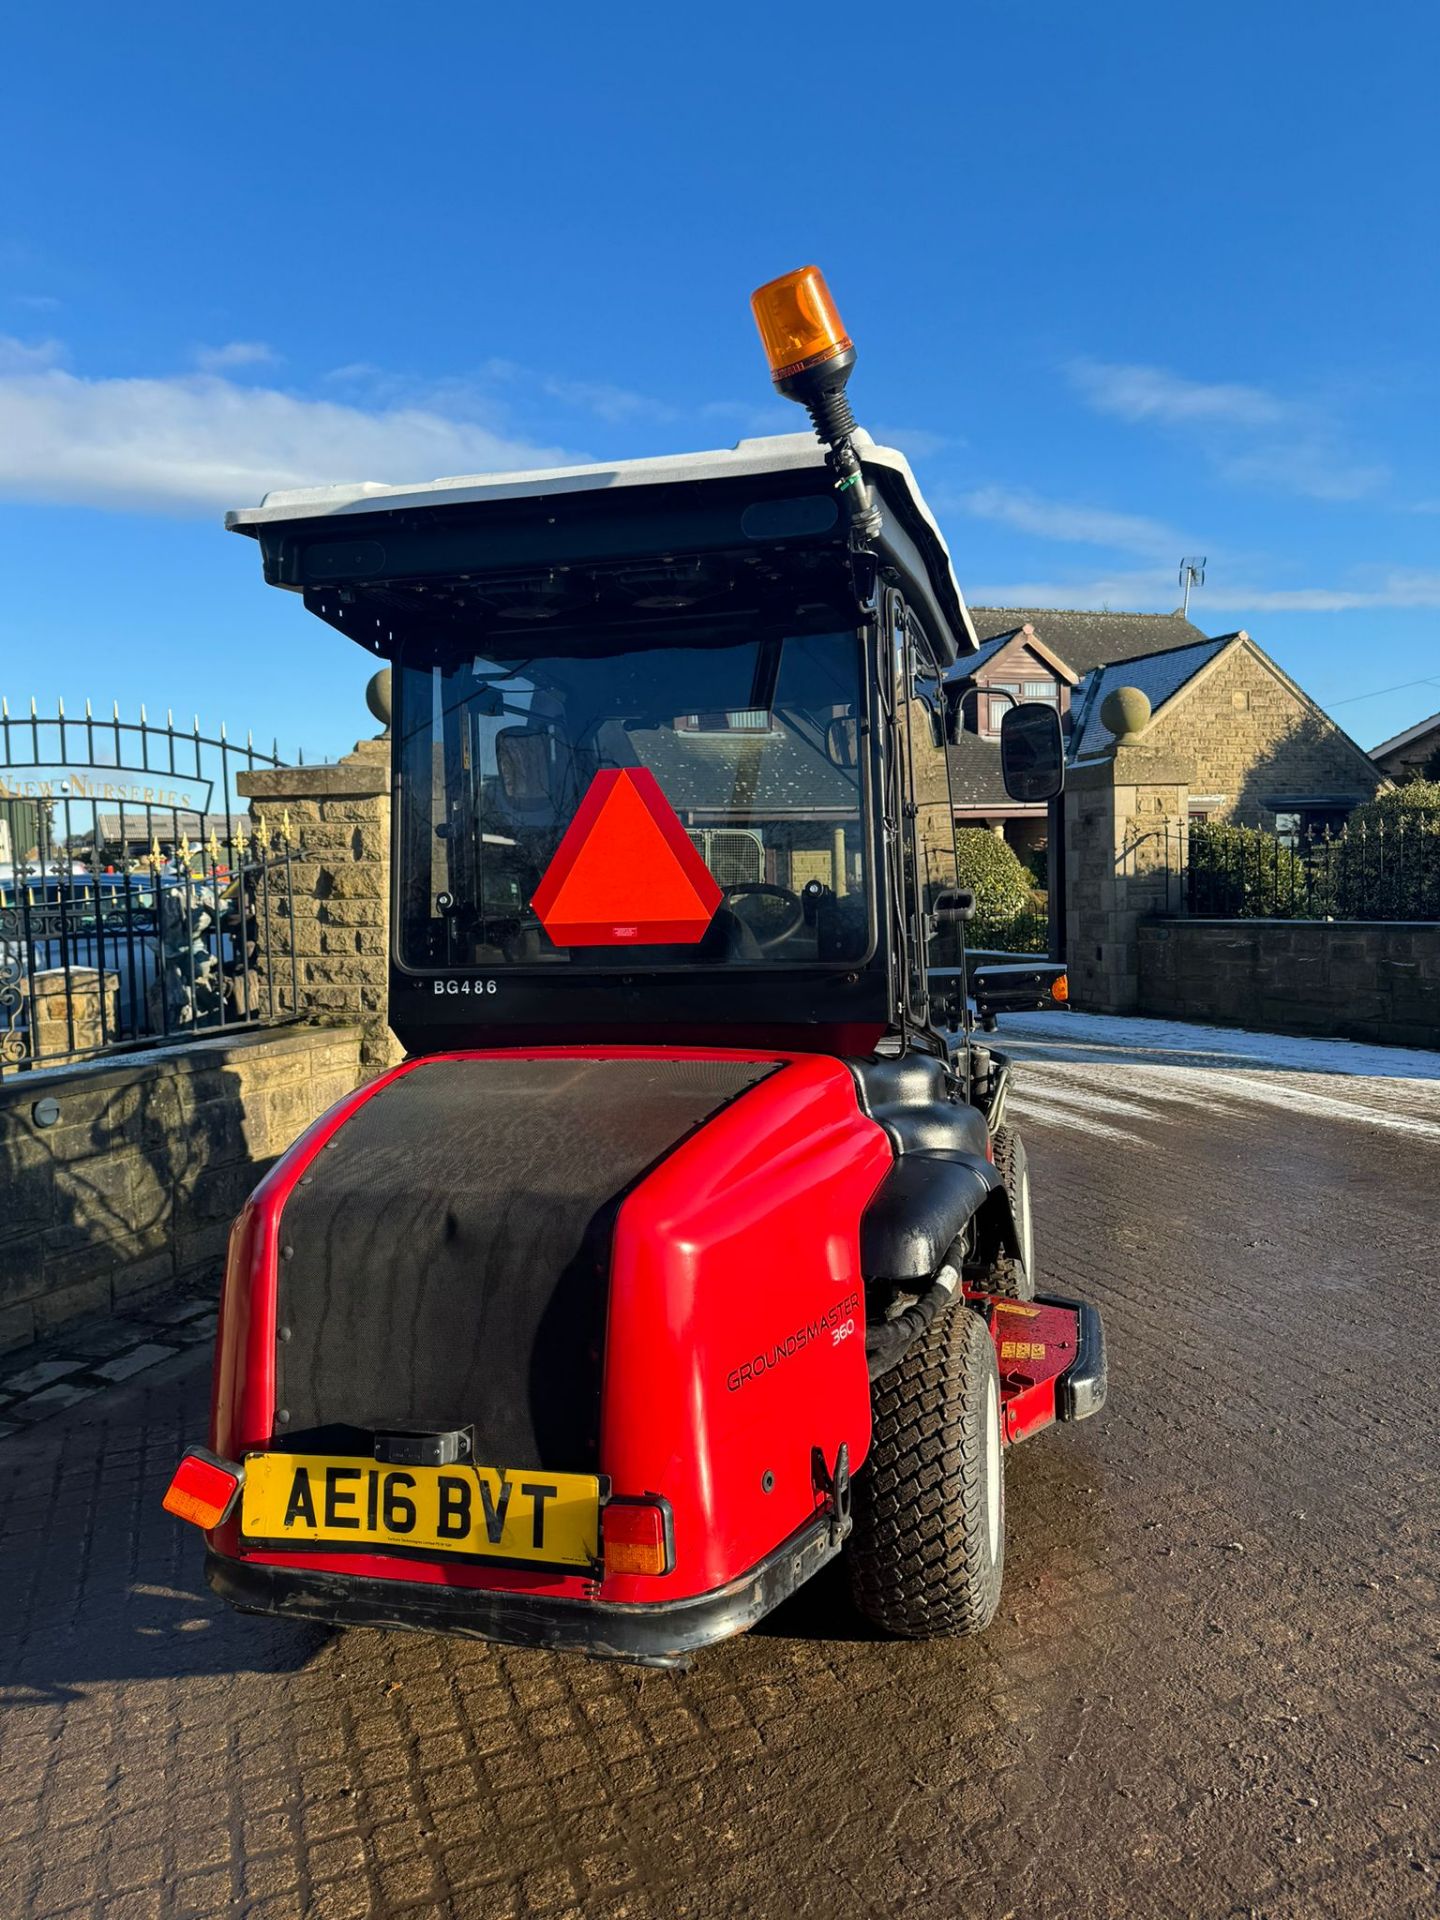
<point x="1085" y="641"/>
<point x="972" y="662"/>
<point x="1159" y="676"/>
<point x="975" y="773"/>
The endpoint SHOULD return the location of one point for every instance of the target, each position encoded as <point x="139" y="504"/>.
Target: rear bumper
<point x="657" y="1635"/>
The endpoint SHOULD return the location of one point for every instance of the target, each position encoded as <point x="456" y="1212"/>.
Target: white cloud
<point x="1156" y="590"/>
<point x="36" y="302"/>
<point x="1311" y="464"/>
<point x="1250" y="435"/>
<point x="1152" y="393"/>
<point x="614" y="405"/>
<point x="916" y="443"/>
<point x="235" y="353"/>
<point x="1135" y="590"/>
<point x="197" y="442"/>
<point x="1069" y="520"/>
<point x="19" y="356"/>
<point x="1396" y="589"/>
<point x="752" y="418"/>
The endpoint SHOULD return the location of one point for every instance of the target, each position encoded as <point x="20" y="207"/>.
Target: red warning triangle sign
<point x="626" y="873"/>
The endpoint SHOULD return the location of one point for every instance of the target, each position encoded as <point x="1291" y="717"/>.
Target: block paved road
<point x="1211" y="1690"/>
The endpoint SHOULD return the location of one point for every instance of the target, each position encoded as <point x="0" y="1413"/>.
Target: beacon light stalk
<point x="810" y="357"/>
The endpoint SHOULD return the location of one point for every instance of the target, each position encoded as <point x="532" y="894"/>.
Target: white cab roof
<point x="778" y="453"/>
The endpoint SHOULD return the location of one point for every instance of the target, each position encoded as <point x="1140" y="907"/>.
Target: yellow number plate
<point x="489" y="1513"/>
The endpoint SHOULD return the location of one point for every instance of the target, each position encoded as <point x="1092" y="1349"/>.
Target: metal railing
<point x="136" y="906"/>
<point x="1025" y="932"/>
<point x="1386" y="869"/>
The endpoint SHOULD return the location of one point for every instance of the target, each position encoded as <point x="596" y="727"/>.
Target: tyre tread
<point x="917" y="1557"/>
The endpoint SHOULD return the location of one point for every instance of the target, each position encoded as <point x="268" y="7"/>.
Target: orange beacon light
<point x="799" y="324"/>
<point x="810" y="357"/>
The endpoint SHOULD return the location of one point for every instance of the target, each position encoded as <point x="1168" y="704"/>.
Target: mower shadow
<point x="820" y="1610"/>
<point x="102" y="1586"/>
<point x="149" y="1634"/>
<point x="1052" y="1510"/>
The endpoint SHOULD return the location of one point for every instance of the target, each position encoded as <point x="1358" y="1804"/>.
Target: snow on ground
<point x="1116" y="1078"/>
<point x="1110" y="1033"/>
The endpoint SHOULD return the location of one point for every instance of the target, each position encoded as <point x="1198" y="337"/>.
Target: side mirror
<point x="522" y="761"/>
<point x="842" y="743"/>
<point x="1032" y="753"/>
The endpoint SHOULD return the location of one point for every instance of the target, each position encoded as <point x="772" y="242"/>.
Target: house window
<point x="995" y="703"/>
<point x="1043" y="690"/>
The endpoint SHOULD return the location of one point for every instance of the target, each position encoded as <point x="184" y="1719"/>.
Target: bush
<point x="1004" y="899"/>
<point x="1244" y="873"/>
<point x="1386" y="865"/>
<point x="1036" y="862"/>
<point x="1417" y="801"/>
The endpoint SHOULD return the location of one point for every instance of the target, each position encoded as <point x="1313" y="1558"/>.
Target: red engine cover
<point x="736" y="1331"/>
<point x="735" y="1338"/>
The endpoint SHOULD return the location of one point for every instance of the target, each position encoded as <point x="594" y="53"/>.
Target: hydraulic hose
<point x="887" y="1343"/>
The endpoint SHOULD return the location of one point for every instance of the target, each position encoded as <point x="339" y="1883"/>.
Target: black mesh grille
<point x="450" y="1248"/>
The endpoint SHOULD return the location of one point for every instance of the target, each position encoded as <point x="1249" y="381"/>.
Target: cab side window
<point x="936" y="872"/>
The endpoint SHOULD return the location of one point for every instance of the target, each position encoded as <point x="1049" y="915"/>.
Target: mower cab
<point x="605" y="1318"/>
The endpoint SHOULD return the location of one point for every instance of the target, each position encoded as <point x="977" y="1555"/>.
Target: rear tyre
<point x="1012" y="1278"/>
<point x="927" y="1551"/>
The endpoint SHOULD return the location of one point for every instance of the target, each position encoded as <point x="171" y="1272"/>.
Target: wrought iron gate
<point x="136" y="905"/>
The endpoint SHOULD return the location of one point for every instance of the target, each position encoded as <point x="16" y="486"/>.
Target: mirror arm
<point x="956" y="688"/>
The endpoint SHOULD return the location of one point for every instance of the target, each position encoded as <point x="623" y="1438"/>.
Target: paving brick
<point x="135" y="1361"/>
<point x="44" y="1374"/>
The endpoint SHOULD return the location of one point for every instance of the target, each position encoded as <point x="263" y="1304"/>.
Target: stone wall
<point x="120" y="1178"/>
<point x="1251" y="738"/>
<point x="1368" y="981"/>
<point x="339" y="825"/>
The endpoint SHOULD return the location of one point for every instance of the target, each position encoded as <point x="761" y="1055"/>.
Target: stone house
<point x="1408" y="752"/>
<point x="1263" y="753"/>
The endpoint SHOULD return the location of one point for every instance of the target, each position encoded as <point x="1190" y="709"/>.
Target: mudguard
<point x="925" y="1200"/>
<point x="942" y="1178"/>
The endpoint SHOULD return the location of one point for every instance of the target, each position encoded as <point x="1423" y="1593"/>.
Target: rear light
<point x="1060" y="990"/>
<point x="637" y="1534"/>
<point x="203" y="1489"/>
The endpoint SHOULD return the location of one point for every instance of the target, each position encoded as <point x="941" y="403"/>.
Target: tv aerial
<point x="1192" y="574"/>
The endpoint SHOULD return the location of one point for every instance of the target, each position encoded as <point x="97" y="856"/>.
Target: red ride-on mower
<point x="689" y="1245"/>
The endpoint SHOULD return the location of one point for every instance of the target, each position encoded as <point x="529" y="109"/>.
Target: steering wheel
<point x="793" y="923"/>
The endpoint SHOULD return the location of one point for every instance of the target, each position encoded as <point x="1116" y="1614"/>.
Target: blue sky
<point x="1128" y="283"/>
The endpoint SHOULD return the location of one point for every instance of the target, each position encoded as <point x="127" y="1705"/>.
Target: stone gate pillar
<point x="339" y="827"/>
<point x="1126" y="815"/>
